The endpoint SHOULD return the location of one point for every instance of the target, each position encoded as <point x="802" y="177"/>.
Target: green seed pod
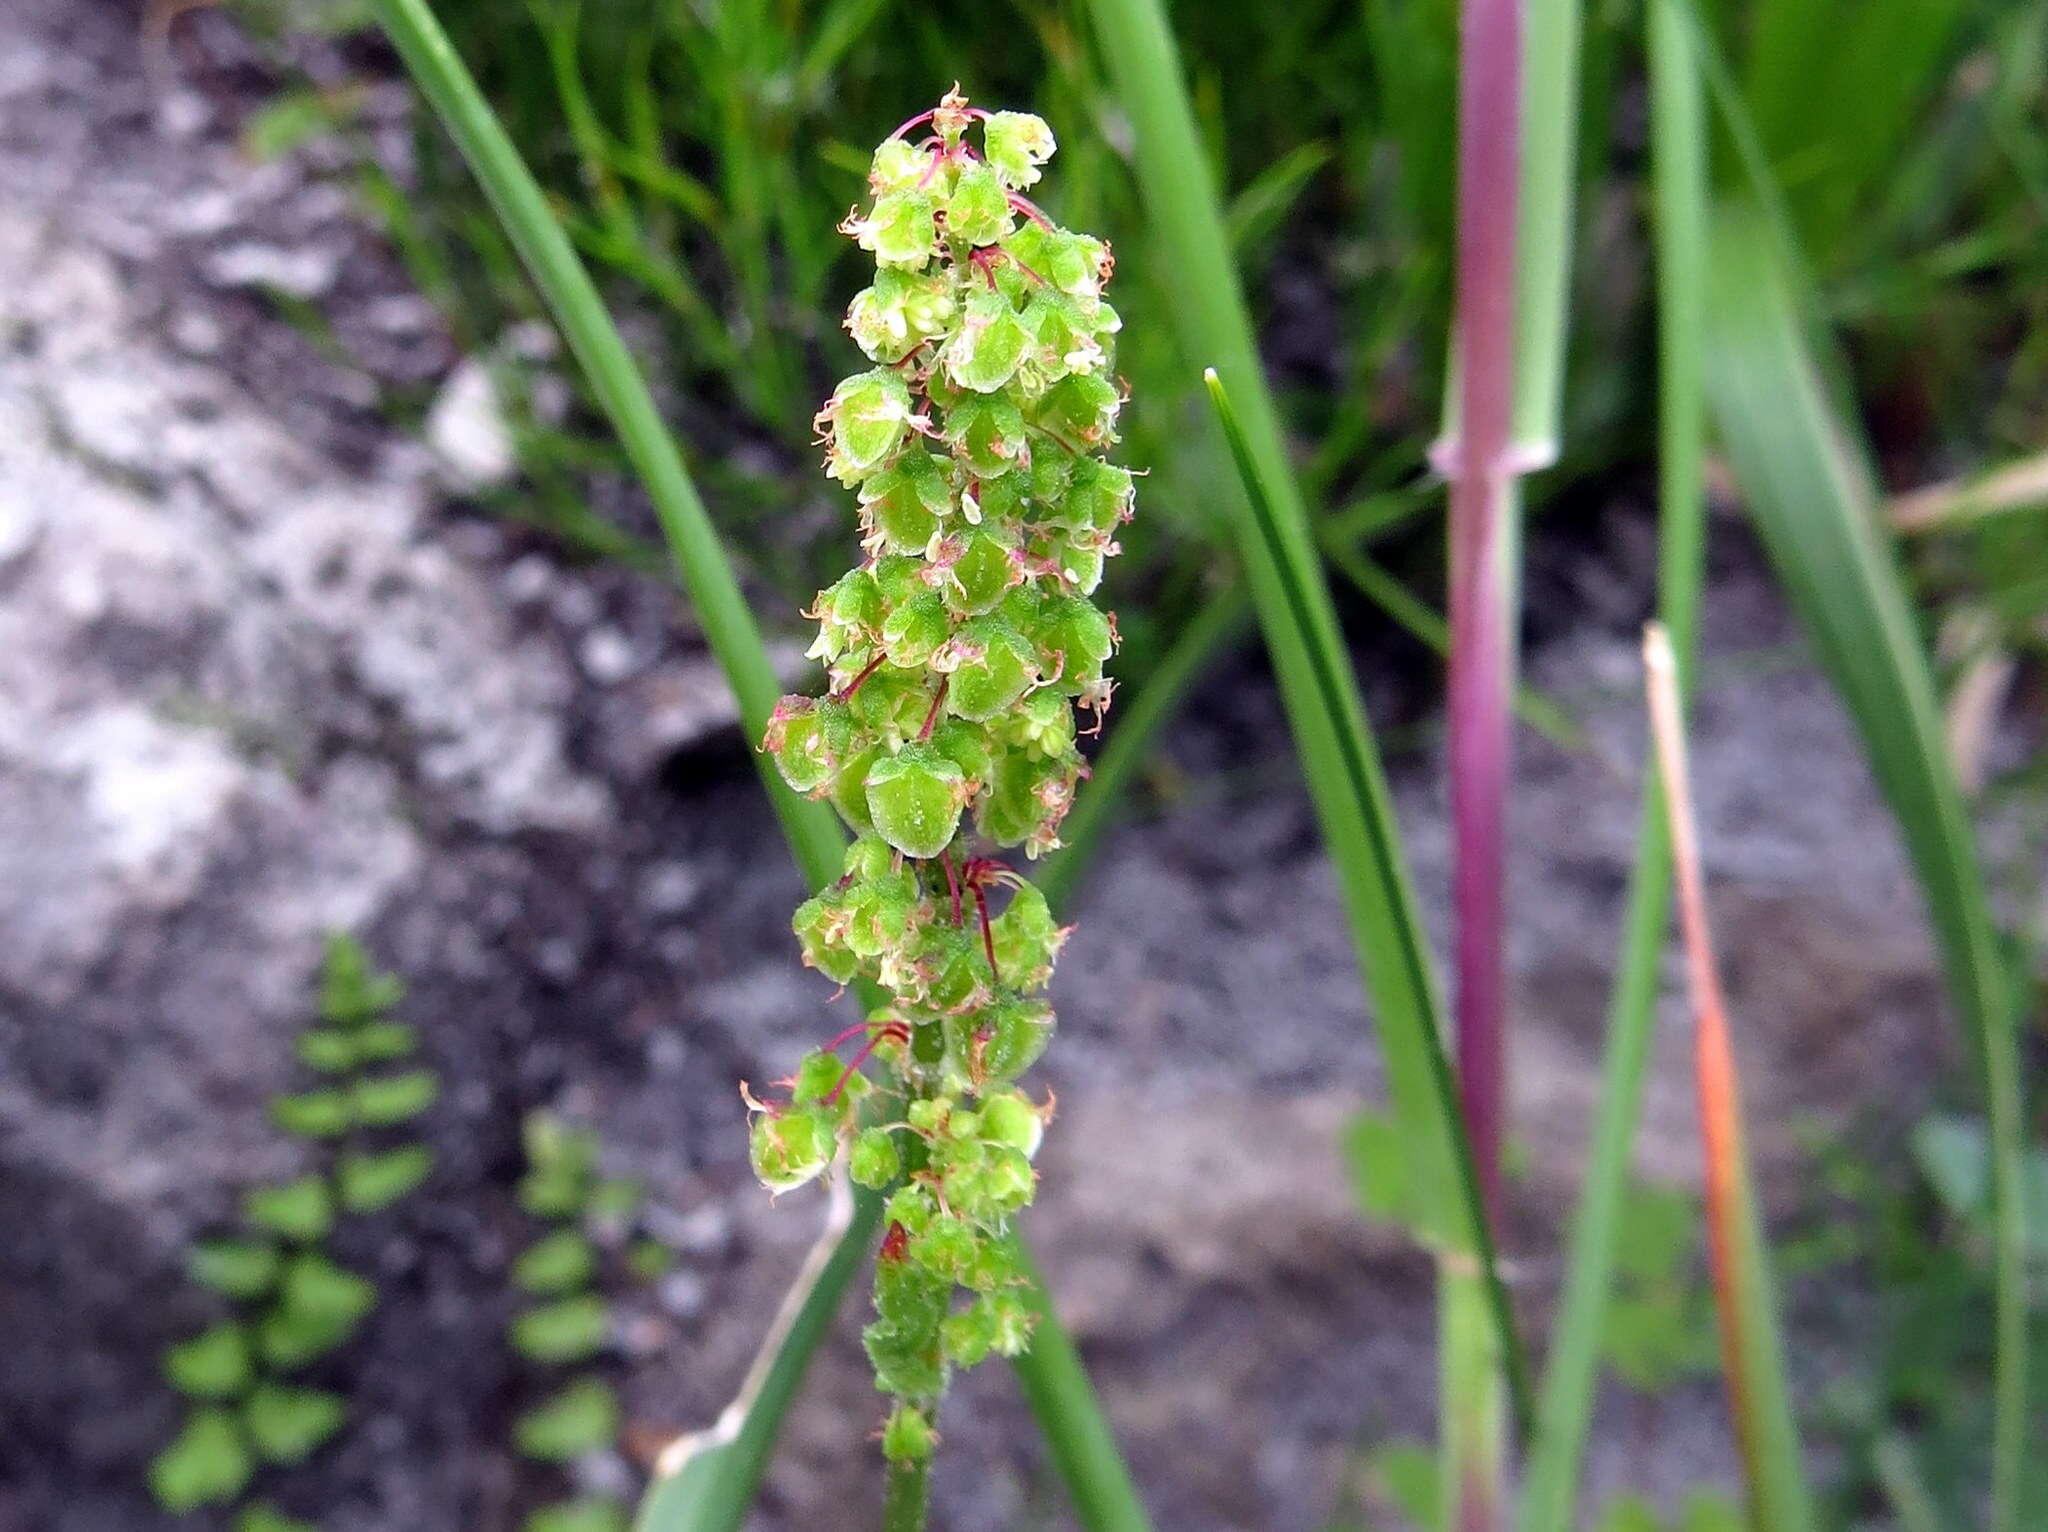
<point x="987" y="433"/>
<point x="915" y="797"/>
<point x="914" y="631"/>
<point x="900" y="230"/>
<point x="867" y="859"/>
<point x="900" y="520"/>
<point x="1010" y="1119"/>
<point x="849" y="792"/>
<point x="907" y="1435"/>
<point x="1043" y="725"/>
<point x="1027" y="939"/>
<point x="808" y="737"/>
<point x="867" y="416"/>
<point x="980" y="569"/>
<point x="791" y="1147"/>
<point x="897" y="166"/>
<point x="1082" y="407"/>
<point x="873" y="1161"/>
<point x="899" y="313"/>
<point x="1026" y="799"/>
<point x="1016" y="144"/>
<point x="820" y="932"/>
<point x="992" y="666"/>
<point x="1018" y="1031"/>
<point x="978" y="210"/>
<point x="989" y="347"/>
<point x="927" y="1114"/>
<point x="818" y="1076"/>
<point x="965" y="745"/>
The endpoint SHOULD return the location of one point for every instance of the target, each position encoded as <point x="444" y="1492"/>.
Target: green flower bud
<point x="791" y="1147"/>
<point x="945" y="1248"/>
<point x="899" y="313"/>
<point x="1012" y="1120"/>
<point x="992" y="666"/>
<point x="1008" y="1181"/>
<point x="873" y="1161"/>
<point x="1009" y="1321"/>
<point x="912" y="1207"/>
<point x="967" y="1337"/>
<point x="1099" y="498"/>
<point x="1016" y="144"/>
<point x="909" y="1299"/>
<point x="1026" y="939"/>
<point x="915" y="797"/>
<point x="848" y="613"/>
<point x="907" y="1436"/>
<point x="1043" y="724"/>
<point x="907" y="1365"/>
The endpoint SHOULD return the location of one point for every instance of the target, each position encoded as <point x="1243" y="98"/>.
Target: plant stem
<point x="1679" y="164"/>
<point x="720" y="1481"/>
<point x="1752" y="1351"/>
<point x="1479" y="463"/>
<point x="1477" y="457"/>
<point x="908" y="1496"/>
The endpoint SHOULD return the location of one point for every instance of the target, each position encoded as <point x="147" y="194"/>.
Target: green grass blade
<point x="812" y="830"/>
<point x="1372" y="867"/>
<point x="711" y="1487"/>
<point x="1679" y="165"/>
<point x="1550" y="128"/>
<point x="1077" y="1434"/>
<point x="1280" y="559"/>
<point x="1812" y="501"/>
<point x="1752" y="1349"/>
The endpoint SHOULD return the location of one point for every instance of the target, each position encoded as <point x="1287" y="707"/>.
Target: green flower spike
<point x="958" y="653"/>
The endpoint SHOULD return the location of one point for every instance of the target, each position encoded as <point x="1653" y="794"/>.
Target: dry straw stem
<point x="2021" y="486"/>
<point x="1752" y="1355"/>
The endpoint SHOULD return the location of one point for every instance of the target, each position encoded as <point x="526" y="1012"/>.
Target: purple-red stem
<point x="1479" y="460"/>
